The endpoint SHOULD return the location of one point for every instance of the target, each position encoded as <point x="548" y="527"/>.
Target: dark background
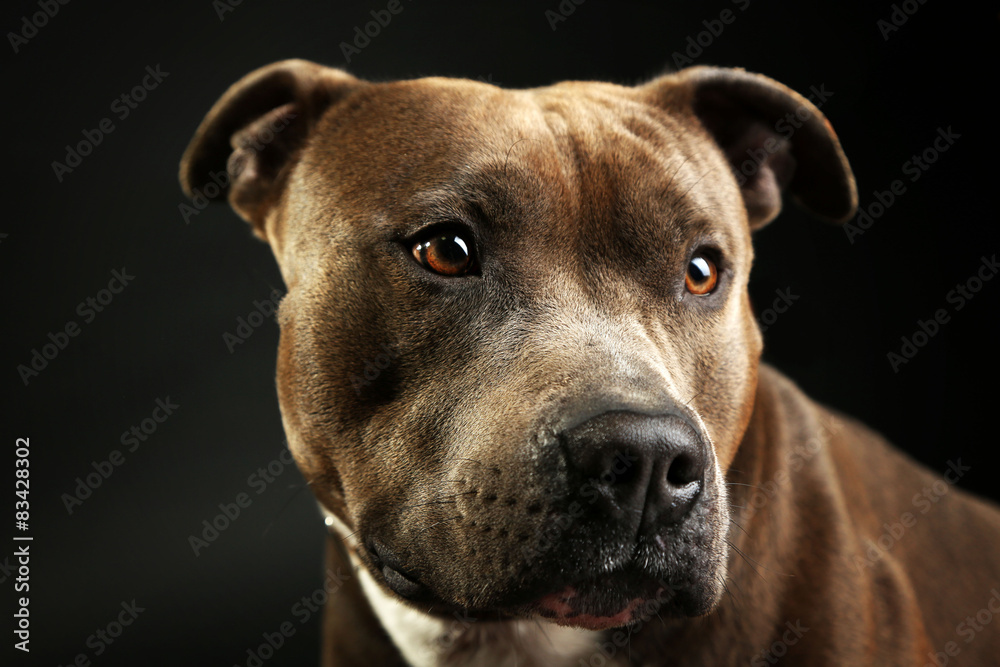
<point x="163" y="335"/>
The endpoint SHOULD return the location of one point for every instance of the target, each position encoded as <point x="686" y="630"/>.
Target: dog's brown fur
<point x="587" y="199"/>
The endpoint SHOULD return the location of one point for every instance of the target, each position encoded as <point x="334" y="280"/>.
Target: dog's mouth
<point x="623" y="597"/>
<point x="560" y="608"/>
<point x="599" y="605"/>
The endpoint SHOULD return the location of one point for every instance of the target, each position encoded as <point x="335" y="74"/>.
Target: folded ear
<point x="246" y="145"/>
<point x="773" y="137"/>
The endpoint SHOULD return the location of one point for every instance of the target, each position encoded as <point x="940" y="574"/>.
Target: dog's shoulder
<point x="907" y="519"/>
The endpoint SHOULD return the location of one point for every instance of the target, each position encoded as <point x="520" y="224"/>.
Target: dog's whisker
<point x="440" y="501"/>
<point x="691" y="187"/>
<point x="732" y="598"/>
<point x="412" y="538"/>
<point x="735" y="597"/>
<point x="507" y="157"/>
<point x="696" y="395"/>
<point x="753" y="562"/>
<point x="345" y="538"/>
<point x="732" y="521"/>
<point x="429" y="503"/>
<point x="745" y="558"/>
<point x="673" y="176"/>
<point x="545" y="633"/>
<point x="477" y="462"/>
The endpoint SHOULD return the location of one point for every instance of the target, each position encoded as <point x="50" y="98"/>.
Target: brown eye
<point x="701" y="275"/>
<point x="448" y="254"/>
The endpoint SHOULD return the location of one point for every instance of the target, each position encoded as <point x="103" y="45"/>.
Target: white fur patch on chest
<point x="427" y="641"/>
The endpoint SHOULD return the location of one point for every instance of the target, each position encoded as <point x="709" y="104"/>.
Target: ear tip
<point x="186" y="172"/>
<point x="838" y="202"/>
<point x="851" y="209"/>
<point x="186" y="175"/>
<point x="195" y="170"/>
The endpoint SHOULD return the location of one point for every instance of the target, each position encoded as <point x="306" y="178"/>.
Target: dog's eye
<point x="448" y="254"/>
<point x="702" y="275"/>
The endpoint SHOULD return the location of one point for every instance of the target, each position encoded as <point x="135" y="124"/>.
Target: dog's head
<point x="517" y="353"/>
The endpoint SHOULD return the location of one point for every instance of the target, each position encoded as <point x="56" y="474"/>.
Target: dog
<point x="520" y="370"/>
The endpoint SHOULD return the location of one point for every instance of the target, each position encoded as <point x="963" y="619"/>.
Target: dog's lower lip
<point x="557" y="607"/>
<point x="401" y="584"/>
<point x="401" y="581"/>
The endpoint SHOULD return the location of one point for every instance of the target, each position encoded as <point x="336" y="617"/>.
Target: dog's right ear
<point x="246" y="145"/>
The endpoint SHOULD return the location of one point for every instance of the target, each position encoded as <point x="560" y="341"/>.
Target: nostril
<point x="683" y="470"/>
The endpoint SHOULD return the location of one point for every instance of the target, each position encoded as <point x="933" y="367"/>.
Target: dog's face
<point x="517" y="352"/>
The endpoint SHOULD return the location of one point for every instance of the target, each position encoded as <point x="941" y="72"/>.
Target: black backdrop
<point x="161" y="337"/>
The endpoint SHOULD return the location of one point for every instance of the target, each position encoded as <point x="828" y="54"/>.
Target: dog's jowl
<point x="565" y="450"/>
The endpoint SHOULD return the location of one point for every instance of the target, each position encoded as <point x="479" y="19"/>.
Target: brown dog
<point x="520" y="370"/>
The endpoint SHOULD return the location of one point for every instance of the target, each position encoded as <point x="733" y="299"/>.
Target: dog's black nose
<point x="642" y="470"/>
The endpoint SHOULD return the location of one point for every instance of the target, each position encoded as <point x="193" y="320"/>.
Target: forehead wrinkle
<point x="525" y="181"/>
<point x="490" y="194"/>
<point x="644" y="185"/>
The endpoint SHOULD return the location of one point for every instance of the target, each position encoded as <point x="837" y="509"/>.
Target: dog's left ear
<point x="773" y="137"/>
